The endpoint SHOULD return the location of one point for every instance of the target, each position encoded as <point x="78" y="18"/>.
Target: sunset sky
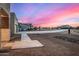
<point x="47" y="14"/>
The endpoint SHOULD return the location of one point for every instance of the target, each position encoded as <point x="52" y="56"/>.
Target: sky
<point x="47" y="14"/>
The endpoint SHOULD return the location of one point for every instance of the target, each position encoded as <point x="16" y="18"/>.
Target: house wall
<point x="6" y="7"/>
<point x="5" y="32"/>
<point x="13" y="23"/>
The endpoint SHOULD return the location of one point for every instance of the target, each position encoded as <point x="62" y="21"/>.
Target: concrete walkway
<point x="72" y="32"/>
<point x="24" y="36"/>
<point x="42" y="32"/>
<point x="26" y="42"/>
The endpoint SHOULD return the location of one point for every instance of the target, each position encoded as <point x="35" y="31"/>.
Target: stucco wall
<point x="5" y="32"/>
<point x="13" y="23"/>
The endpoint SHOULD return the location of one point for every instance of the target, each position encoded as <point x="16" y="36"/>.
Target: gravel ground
<point x="52" y="46"/>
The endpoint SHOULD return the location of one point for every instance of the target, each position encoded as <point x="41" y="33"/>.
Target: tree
<point x="35" y="28"/>
<point x="77" y="27"/>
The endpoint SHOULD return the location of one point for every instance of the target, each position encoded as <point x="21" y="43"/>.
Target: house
<point x="8" y="22"/>
<point x="64" y="27"/>
<point x="4" y="21"/>
<point x="25" y="27"/>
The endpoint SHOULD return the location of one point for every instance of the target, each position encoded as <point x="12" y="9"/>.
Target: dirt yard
<point x="52" y="46"/>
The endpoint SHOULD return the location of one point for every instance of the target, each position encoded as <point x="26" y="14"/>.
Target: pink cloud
<point x="24" y="20"/>
<point x="53" y="17"/>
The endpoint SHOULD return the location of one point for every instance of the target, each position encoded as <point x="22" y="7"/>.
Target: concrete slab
<point x="26" y="44"/>
<point x="42" y="32"/>
<point x="24" y="36"/>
